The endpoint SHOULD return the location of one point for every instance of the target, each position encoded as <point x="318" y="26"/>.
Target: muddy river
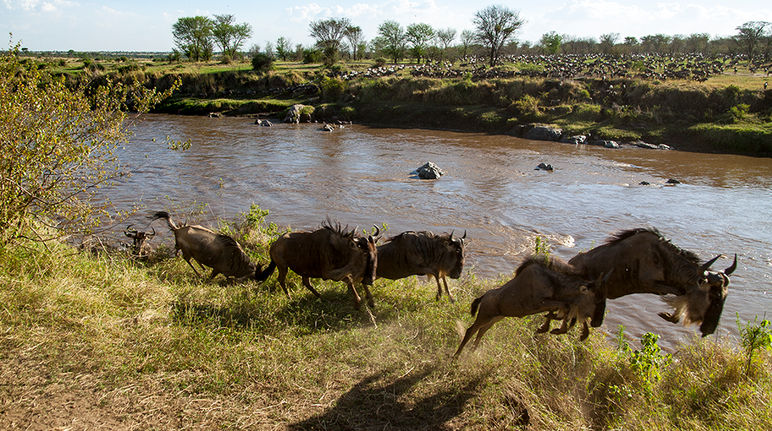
<point x="362" y="176"/>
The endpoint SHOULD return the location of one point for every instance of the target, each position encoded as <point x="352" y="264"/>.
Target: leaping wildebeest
<point x="217" y="251"/>
<point x="422" y="253"/>
<point x="644" y="261"/>
<point x="540" y="284"/>
<point x="330" y="253"/>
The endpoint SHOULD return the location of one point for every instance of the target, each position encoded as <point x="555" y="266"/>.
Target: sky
<point x="142" y="25"/>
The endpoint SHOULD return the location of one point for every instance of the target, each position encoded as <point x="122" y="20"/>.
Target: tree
<point x="631" y="43"/>
<point x="697" y="42"/>
<point x="607" y="42"/>
<point x="419" y="36"/>
<point x="193" y="37"/>
<point x="391" y="40"/>
<point x="494" y="27"/>
<point x="283" y="48"/>
<point x="749" y="35"/>
<point x="230" y="36"/>
<point x="551" y="42"/>
<point x="446" y="37"/>
<point x="467" y="39"/>
<point x="57" y="147"/>
<point x="353" y="34"/>
<point x="328" y="34"/>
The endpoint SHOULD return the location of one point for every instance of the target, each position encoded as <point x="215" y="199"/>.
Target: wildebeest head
<point x="138" y="238"/>
<point x="456" y="252"/>
<point x="717" y="283"/>
<point x="367" y="245"/>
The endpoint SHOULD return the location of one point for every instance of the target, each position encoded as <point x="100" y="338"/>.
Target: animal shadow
<point x="371" y="404"/>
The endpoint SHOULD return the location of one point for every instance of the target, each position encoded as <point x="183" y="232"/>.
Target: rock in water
<point x="429" y="171"/>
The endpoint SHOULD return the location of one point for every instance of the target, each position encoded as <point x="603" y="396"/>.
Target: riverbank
<point x="100" y="340"/>
<point x="725" y="113"/>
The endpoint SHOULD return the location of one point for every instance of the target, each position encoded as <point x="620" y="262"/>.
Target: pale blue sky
<point x="85" y="25"/>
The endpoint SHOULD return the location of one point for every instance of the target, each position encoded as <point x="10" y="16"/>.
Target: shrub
<point x="312" y="56"/>
<point x="262" y="62"/>
<point x="332" y="88"/>
<point x="380" y="62"/>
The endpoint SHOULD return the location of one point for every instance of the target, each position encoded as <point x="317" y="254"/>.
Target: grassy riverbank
<point x="102" y="341"/>
<point x="727" y="113"/>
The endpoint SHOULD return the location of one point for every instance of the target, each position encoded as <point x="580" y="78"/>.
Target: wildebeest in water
<point x="422" y="253"/>
<point x="330" y="253"/>
<point x="644" y="261"/>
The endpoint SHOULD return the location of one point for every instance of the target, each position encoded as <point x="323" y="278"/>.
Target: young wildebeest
<point x="329" y="253"/>
<point x="422" y="253"/>
<point x="217" y="251"/>
<point x="139" y="247"/>
<point x="643" y="261"/>
<point x="540" y="284"/>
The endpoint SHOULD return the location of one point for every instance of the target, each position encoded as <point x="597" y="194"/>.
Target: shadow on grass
<point x="371" y="404"/>
<point x="334" y="311"/>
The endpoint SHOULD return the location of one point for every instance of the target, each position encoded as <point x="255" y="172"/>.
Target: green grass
<point x="102" y="340"/>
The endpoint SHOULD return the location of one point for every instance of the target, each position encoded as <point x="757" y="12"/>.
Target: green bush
<point x="262" y="62"/>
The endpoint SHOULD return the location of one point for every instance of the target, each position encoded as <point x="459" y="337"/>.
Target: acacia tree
<point x="58" y="146"/>
<point x="328" y="34"/>
<point x="607" y="42"/>
<point x="419" y="36"/>
<point x="749" y="35"/>
<point x="354" y="36"/>
<point x="494" y="27"/>
<point x="193" y="37"/>
<point x="229" y="35"/>
<point x="391" y="40"/>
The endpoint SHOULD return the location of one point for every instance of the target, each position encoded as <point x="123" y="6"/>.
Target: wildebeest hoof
<point x="543" y="328"/>
<point x="558" y="331"/>
<point x="669" y="317"/>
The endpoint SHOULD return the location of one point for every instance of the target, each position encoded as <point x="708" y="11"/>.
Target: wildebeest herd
<point x="633" y="261"/>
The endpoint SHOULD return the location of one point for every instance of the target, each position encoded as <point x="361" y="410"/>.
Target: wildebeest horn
<point x="707" y="264"/>
<point x="129" y="232"/>
<point x="151" y="234"/>
<point x="377" y="232"/>
<point x="731" y="267"/>
<point x="464" y="236"/>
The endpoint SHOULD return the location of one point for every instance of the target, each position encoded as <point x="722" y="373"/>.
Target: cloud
<point x="38" y="5"/>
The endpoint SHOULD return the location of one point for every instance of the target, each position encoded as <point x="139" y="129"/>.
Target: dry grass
<point x="90" y="341"/>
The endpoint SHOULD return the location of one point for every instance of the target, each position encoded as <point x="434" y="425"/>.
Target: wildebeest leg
<point x="214" y="273"/>
<point x="369" y="296"/>
<point x="467" y="336"/>
<point x="187" y="259"/>
<point x="485" y="329"/>
<point x="673" y="318"/>
<point x="445" y="283"/>
<point x="439" y="288"/>
<point x="563" y="328"/>
<point x="548" y="320"/>
<point x="307" y="283"/>
<point x="282" y="277"/>
<point x="585" y="331"/>
<point x="352" y="289"/>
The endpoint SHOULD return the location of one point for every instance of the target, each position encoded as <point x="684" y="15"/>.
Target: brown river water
<point x="361" y="176"/>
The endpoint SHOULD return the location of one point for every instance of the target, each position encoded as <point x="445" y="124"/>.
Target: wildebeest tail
<point x="164" y="215"/>
<point x="263" y="275"/>
<point x="475" y="305"/>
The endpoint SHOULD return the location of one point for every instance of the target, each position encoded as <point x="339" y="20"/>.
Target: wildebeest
<point x="217" y="251"/>
<point x="540" y="284"/>
<point x="643" y="261"/>
<point x="422" y="253"/>
<point x="330" y="253"/>
<point x="139" y="247"/>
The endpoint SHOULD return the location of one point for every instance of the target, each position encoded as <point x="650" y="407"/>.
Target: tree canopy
<point x="229" y="35"/>
<point x="494" y="27"/>
<point x="328" y="34"/>
<point x="391" y="40"/>
<point x="193" y="37"/>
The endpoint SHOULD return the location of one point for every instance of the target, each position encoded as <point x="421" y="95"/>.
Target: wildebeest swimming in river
<point x="540" y="284"/>
<point x="329" y="253"/>
<point x="220" y="252"/>
<point x="422" y="253"/>
<point x="643" y="261"/>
